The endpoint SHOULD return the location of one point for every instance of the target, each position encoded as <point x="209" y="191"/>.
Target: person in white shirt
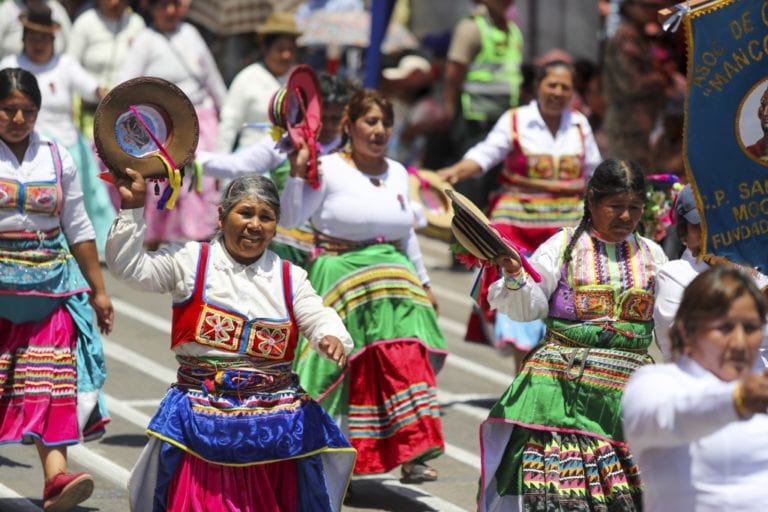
<point x="101" y="37"/>
<point x="50" y="285"/>
<point x="11" y="28"/>
<point x="697" y="426"/>
<point x="244" y="117"/>
<point x="675" y="275"/>
<point x="370" y="268"/>
<point x="548" y="151"/>
<point x="236" y="431"/>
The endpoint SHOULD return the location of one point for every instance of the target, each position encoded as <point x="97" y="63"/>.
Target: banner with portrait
<point x="726" y="132"/>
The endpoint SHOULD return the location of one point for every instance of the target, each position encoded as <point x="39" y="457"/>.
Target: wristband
<point x="516" y="281"/>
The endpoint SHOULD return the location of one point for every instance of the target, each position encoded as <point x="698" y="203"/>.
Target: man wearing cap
<point x="675" y="275"/>
<point x="244" y="117"/>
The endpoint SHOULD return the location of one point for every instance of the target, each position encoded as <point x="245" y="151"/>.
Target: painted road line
<point x="450" y="400"/>
<point x="124" y="410"/>
<point x="107" y="469"/>
<point x="12" y="501"/>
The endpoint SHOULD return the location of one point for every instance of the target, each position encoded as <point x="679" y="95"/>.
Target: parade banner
<point x="726" y="131"/>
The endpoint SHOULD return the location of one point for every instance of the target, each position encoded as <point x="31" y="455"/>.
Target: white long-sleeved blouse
<point x="37" y="166"/>
<point x="573" y="137"/>
<point x="351" y="206"/>
<point x="694" y="452"/>
<point x="254" y="290"/>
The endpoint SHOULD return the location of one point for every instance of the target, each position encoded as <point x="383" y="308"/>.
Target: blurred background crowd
<point x="441" y="67"/>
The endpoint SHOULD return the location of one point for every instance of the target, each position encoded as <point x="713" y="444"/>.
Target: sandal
<point x="417" y="472"/>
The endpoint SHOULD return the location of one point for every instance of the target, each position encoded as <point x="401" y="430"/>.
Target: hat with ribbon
<point x="295" y="112"/>
<point x="149" y="125"/>
<point x="475" y="232"/>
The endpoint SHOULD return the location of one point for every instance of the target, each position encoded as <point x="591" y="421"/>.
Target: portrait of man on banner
<point x="753" y="122"/>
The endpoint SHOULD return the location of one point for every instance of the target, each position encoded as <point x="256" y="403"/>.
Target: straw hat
<point x="40" y="19"/>
<point x="429" y="189"/>
<point x="122" y="141"/>
<point x="472" y="229"/>
<point x="279" y="23"/>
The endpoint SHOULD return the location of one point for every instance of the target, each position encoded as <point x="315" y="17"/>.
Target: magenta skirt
<point x="38" y="380"/>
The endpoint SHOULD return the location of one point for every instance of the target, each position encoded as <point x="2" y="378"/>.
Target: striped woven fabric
<point x="587" y="473"/>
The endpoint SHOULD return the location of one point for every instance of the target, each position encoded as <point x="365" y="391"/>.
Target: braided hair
<point x="611" y="177"/>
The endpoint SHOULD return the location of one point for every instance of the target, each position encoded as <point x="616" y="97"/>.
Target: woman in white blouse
<point x="61" y="79"/>
<point x="548" y="151"/>
<point x="370" y="269"/>
<point x="698" y="426"/>
<point x="52" y="361"/>
<point x="236" y="431"/>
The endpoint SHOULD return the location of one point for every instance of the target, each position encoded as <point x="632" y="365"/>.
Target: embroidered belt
<point x="558" y="338"/>
<point x="30" y="235"/>
<point x="237" y="376"/>
<point x="329" y="244"/>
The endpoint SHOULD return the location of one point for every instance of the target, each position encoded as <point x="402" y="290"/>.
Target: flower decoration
<point x="661" y="193"/>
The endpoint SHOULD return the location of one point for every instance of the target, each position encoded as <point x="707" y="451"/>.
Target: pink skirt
<point x="195" y="216"/>
<point x="38" y="379"/>
<point x="201" y="486"/>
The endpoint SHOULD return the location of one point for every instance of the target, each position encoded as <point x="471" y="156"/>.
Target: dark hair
<point x="359" y="104"/>
<point x="17" y="79"/>
<point x="709" y="296"/>
<point x="334" y="90"/>
<point x="611" y="177"/>
<point x="250" y="186"/>
<point x="542" y="71"/>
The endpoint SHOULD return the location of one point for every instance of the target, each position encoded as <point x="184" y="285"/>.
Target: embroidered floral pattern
<point x="220" y="329"/>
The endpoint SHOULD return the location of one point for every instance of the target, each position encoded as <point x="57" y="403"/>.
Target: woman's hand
<point x="459" y="171"/>
<point x="510" y="264"/>
<point x="105" y="314"/>
<point x="299" y="160"/>
<point x="331" y="347"/>
<point x="132" y="189"/>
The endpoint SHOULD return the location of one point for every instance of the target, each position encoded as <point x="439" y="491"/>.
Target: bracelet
<point x="738" y="402"/>
<point x="516" y="281"/>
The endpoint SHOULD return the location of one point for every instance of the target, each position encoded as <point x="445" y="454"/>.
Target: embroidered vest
<point x="518" y="163"/>
<point x="35" y="196"/>
<point x="199" y="321"/>
<point x="604" y="280"/>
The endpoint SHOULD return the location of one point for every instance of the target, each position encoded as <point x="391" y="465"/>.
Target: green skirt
<point x="554" y="441"/>
<point x="388" y="391"/>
